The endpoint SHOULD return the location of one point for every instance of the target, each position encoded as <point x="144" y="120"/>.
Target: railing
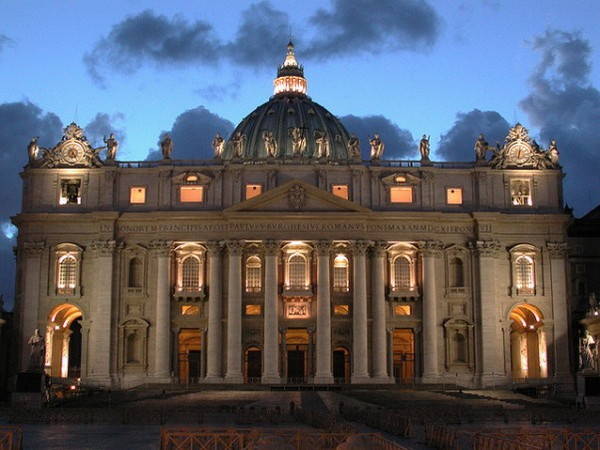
<point x="235" y="439"/>
<point x="384" y="420"/>
<point x="295" y="161"/>
<point x="11" y="438"/>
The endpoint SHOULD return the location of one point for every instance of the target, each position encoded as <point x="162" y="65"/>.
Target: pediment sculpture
<point x="521" y="152"/>
<point x="73" y="150"/>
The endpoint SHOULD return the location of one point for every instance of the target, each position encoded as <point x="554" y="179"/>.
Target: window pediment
<point x="400" y="179"/>
<point x="192" y="178"/>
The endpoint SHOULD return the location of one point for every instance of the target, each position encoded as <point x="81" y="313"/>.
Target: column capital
<point x="322" y="247"/>
<point x="160" y="247"/>
<point x="380" y="248"/>
<point x="33" y="248"/>
<point x="557" y="249"/>
<point x="103" y="247"/>
<point x="235" y="248"/>
<point x="360" y="247"/>
<point x="488" y="249"/>
<point x="271" y="247"/>
<point x="214" y="248"/>
<point x="430" y="248"/>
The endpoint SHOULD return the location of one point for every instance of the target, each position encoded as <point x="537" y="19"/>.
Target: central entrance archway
<point x="253" y="365"/>
<point x="341" y="365"/>
<point x="190" y="355"/>
<point x="528" y="343"/>
<point x="404" y="355"/>
<point x="64" y="342"/>
<point x="297" y="354"/>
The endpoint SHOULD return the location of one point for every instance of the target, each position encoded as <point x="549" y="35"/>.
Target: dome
<point x="290" y="125"/>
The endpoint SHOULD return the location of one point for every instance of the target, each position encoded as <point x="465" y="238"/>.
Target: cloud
<point x="219" y="92"/>
<point x="5" y="41"/>
<point x="102" y="125"/>
<point x="148" y="37"/>
<point x="458" y="143"/>
<point x="347" y="27"/>
<point x="565" y="106"/>
<point x="399" y="143"/>
<point x="19" y="122"/>
<point x="351" y="26"/>
<point x="192" y="133"/>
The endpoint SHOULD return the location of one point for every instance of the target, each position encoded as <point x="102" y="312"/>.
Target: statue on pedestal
<point x="218" y="145"/>
<point x="354" y="147"/>
<point x="112" y="145"/>
<point x="481" y="147"/>
<point x="424" y="148"/>
<point x="587" y="351"/>
<point x="270" y="144"/>
<point x="377" y="147"/>
<point x="37" y="352"/>
<point x="33" y="149"/>
<point x="166" y="147"/>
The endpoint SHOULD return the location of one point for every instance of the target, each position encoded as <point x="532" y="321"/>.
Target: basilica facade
<point x="288" y="258"/>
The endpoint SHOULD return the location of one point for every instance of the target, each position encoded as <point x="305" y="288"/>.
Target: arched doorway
<point x="252" y="365"/>
<point x="297" y="355"/>
<point x="64" y="342"/>
<point x="190" y="355"/>
<point x="341" y="365"/>
<point x="527" y="343"/>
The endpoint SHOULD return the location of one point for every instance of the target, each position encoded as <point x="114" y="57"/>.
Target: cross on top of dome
<point x="290" y="75"/>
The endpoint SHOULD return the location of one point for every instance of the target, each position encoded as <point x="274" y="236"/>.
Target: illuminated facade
<point x="288" y="259"/>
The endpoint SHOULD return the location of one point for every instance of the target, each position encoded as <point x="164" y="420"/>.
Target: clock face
<point x="519" y="154"/>
<point x="72" y="153"/>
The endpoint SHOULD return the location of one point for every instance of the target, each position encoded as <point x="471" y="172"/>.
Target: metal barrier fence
<point x="238" y="439"/>
<point x="11" y="438"/>
<point x="446" y="438"/>
<point x="384" y="420"/>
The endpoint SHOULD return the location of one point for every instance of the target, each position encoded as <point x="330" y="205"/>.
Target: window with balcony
<point x="524" y="275"/>
<point x="340" y="274"/>
<point x="297" y="271"/>
<point x="67" y="274"/>
<point x="253" y="274"/>
<point x="190" y="273"/>
<point x="401" y="271"/>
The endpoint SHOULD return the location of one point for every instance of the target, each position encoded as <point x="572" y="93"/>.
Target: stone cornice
<point x="487" y="249"/>
<point x="160" y="247"/>
<point x="101" y="247"/>
<point x="234" y="248"/>
<point x="322" y="248"/>
<point x="557" y="249"/>
<point x="33" y="248"/>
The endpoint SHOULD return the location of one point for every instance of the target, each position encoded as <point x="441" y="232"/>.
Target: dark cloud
<point x="19" y="122"/>
<point x="219" y="92"/>
<point x="260" y="37"/>
<point x="192" y="133"/>
<point x="346" y="27"/>
<point x="102" y="125"/>
<point x="147" y="37"/>
<point x="399" y="143"/>
<point x="565" y="106"/>
<point x="351" y="26"/>
<point x="458" y="143"/>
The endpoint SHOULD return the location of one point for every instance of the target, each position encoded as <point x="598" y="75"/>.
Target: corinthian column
<point x="380" y="372"/>
<point x="558" y="253"/>
<point x="490" y="340"/>
<point x="213" y="345"/>
<point x="323" y="374"/>
<point x="162" y="343"/>
<point x="360" y="345"/>
<point x="101" y="313"/>
<point x="430" y="251"/>
<point x="234" y="313"/>
<point x="271" y="316"/>
<point x="29" y="307"/>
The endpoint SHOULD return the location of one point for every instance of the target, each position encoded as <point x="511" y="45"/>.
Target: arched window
<point x="190" y="273"/>
<point x="136" y="273"/>
<point x="253" y="274"/>
<point x="524" y="275"/>
<point x="401" y="268"/>
<point x="340" y="273"/>
<point x="67" y="274"/>
<point x="457" y="277"/>
<point x="297" y="271"/>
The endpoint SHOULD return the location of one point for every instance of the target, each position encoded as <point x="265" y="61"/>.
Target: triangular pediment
<point x="297" y="196"/>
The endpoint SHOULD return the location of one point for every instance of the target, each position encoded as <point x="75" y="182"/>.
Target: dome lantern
<point x="290" y="75"/>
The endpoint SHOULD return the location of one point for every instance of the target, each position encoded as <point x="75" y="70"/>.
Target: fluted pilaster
<point x="323" y="373"/>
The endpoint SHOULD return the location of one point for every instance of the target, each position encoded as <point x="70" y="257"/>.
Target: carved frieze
<point x="296" y="197"/>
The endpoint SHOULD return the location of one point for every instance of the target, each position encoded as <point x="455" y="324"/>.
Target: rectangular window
<point x="401" y="194"/>
<point x="402" y="310"/>
<point x="341" y="310"/>
<point x="70" y="192"/>
<point x="137" y="195"/>
<point x="520" y="193"/>
<point x="454" y="196"/>
<point x="340" y="190"/>
<point x="191" y="194"/>
<point x="190" y="310"/>
<point x="253" y="190"/>
<point x="253" y="310"/>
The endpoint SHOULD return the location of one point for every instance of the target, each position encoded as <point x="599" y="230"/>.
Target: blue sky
<point x="414" y="65"/>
